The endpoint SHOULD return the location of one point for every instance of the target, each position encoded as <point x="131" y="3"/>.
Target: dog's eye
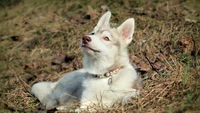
<point x="91" y="33"/>
<point x="106" y="38"/>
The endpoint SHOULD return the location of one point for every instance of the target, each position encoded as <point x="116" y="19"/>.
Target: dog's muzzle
<point x="86" y="39"/>
<point x="85" y="43"/>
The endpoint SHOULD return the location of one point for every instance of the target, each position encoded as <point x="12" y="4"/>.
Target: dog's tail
<point x="43" y="91"/>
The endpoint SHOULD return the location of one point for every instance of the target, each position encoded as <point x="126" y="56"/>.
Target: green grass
<point x="185" y="78"/>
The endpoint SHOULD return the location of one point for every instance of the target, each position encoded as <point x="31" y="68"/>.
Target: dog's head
<point x="103" y="39"/>
<point x="106" y="43"/>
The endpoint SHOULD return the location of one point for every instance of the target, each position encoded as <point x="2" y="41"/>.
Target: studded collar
<point x="108" y="74"/>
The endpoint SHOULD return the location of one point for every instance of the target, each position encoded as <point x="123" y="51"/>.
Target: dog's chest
<point x="96" y="84"/>
<point x="117" y="81"/>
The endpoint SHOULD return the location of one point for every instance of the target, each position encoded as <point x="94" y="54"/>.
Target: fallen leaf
<point x="58" y="59"/>
<point x="158" y="65"/>
<point x="32" y="66"/>
<point x="140" y="65"/>
<point x="105" y="7"/>
<point x="62" y="61"/>
<point x="187" y="44"/>
<point x="65" y="66"/>
<point x="91" y="13"/>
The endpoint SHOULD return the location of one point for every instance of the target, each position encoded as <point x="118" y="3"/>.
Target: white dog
<point x="107" y="75"/>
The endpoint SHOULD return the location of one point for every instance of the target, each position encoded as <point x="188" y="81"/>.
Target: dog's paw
<point x="90" y="110"/>
<point x="63" y="108"/>
<point x="78" y="110"/>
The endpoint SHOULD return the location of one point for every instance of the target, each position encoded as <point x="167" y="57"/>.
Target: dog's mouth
<point x="84" y="46"/>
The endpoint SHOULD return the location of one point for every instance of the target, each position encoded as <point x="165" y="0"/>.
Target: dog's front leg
<point x="129" y="93"/>
<point x="86" y="106"/>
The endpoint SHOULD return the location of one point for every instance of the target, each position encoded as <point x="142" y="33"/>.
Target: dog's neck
<point x="103" y="64"/>
<point x="96" y="65"/>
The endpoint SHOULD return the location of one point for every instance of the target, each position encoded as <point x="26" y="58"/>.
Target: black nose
<point x="86" y="39"/>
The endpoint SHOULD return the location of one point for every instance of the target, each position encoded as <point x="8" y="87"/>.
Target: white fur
<point x="100" y="56"/>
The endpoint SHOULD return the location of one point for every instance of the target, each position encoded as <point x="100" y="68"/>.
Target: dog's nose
<point x="86" y="39"/>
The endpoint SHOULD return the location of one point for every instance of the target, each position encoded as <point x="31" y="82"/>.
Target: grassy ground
<point x="36" y="35"/>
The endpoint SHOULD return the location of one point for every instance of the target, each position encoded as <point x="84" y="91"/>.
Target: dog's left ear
<point x="126" y="30"/>
<point x="104" y="20"/>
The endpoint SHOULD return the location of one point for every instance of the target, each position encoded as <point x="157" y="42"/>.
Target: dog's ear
<point x="104" y="20"/>
<point x="126" y="30"/>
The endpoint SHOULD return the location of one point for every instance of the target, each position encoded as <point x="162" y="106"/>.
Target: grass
<point x="165" y="49"/>
<point x="185" y="78"/>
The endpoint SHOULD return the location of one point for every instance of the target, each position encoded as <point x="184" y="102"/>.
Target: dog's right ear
<point x="104" y="20"/>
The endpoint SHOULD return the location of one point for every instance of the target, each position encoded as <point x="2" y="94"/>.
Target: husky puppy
<point x="106" y="76"/>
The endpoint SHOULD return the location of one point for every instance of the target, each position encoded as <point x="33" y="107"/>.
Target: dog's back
<point x="68" y="89"/>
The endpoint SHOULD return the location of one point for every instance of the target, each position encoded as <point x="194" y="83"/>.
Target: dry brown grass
<point x="165" y="50"/>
